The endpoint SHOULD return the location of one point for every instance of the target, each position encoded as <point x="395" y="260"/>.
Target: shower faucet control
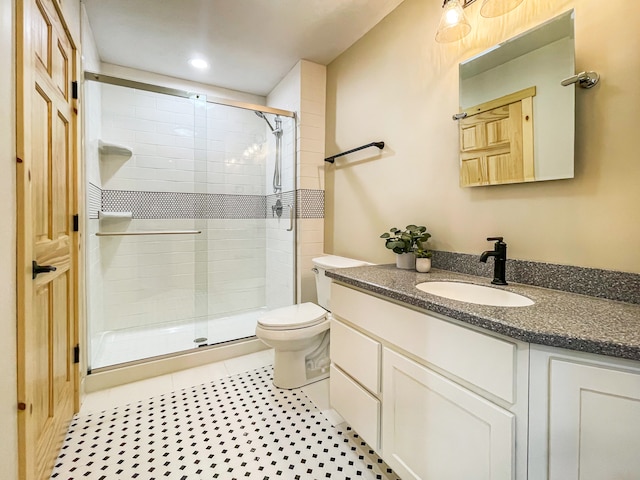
<point x="277" y="209"/>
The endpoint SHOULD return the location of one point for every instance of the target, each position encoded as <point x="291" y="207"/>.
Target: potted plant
<point x="405" y="242"/>
<point x="423" y="260"/>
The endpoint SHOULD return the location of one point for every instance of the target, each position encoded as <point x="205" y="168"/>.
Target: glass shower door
<point x="141" y="171"/>
<point x="191" y="228"/>
<point x="250" y="250"/>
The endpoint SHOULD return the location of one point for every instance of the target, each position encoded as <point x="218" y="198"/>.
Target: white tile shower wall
<point x="279" y="267"/>
<point x="235" y="151"/>
<point x="279" y="241"/>
<point x="147" y="279"/>
<point x="236" y="265"/>
<point x="311" y="170"/>
<point x="310" y="245"/>
<point x="236" y="154"/>
<point x="303" y="90"/>
<point x="152" y="280"/>
<point x="159" y="129"/>
<point x="280" y="245"/>
<point x="312" y="129"/>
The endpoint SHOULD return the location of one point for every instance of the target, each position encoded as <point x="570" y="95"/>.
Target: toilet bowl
<point x="299" y="334"/>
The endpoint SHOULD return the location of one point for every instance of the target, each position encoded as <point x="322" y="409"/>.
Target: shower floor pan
<point x="121" y="346"/>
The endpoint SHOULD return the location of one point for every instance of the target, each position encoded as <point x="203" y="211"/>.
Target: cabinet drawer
<point x="358" y="407"/>
<point x="356" y="354"/>
<point x="480" y="359"/>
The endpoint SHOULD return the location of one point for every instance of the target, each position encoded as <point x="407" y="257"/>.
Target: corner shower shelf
<point x="115" y="215"/>
<point x="106" y="148"/>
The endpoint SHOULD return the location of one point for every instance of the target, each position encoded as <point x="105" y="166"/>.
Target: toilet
<point x="299" y="334"/>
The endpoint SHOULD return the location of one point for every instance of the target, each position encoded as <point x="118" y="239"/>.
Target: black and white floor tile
<point x="234" y="428"/>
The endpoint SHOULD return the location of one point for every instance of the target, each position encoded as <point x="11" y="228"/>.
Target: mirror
<point x="519" y="123"/>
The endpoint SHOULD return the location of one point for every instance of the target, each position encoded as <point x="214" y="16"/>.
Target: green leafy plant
<point x="409" y="240"/>
<point x="420" y="253"/>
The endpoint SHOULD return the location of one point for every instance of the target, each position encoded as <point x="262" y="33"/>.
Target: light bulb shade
<point x="495" y="8"/>
<point x="453" y="24"/>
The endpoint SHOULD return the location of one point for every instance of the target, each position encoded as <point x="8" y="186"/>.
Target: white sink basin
<point x="468" y="292"/>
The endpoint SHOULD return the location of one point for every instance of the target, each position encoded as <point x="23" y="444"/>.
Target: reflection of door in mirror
<point x="496" y="141"/>
<point x="542" y="58"/>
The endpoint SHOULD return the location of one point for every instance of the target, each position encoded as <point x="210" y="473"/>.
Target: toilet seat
<point x="303" y="315"/>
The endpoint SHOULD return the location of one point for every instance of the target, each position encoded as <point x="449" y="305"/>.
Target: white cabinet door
<point x="434" y="429"/>
<point x="594" y="422"/>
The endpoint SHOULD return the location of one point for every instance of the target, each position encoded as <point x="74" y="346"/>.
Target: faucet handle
<point x="494" y="239"/>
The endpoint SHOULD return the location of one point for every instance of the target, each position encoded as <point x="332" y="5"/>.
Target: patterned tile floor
<point x="232" y="428"/>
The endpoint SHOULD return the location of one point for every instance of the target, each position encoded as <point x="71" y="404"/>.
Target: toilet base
<point x="289" y="371"/>
<point x="295" y="369"/>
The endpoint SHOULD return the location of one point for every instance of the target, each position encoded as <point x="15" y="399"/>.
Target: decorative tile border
<point x="594" y="282"/>
<point x="310" y="203"/>
<point x="150" y="204"/>
<point x="230" y="206"/>
<point x="172" y="205"/>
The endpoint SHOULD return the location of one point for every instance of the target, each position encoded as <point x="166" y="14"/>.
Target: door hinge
<point x="76" y="223"/>
<point x="74" y="90"/>
<point x="76" y="354"/>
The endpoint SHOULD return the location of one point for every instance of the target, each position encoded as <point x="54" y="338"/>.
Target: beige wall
<point x="398" y="85"/>
<point x="8" y="425"/>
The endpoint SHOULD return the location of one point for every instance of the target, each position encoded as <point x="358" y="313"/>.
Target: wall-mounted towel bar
<point x="152" y="232"/>
<point x="332" y="158"/>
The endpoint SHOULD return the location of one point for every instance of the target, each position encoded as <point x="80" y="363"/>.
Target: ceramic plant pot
<point x="423" y="265"/>
<point x="406" y="261"/>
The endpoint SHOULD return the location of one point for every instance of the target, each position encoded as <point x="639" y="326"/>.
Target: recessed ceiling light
<point x="199" y="63"/>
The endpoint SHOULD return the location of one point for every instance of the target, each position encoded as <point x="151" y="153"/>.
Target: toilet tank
<point x="323" y="283"/>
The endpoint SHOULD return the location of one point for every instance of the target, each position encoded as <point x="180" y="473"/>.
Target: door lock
<point x="38" y="269"/>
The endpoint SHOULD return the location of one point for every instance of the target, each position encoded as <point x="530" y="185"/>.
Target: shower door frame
<point x="117" y="81"/>
<point x="123" y="82"/>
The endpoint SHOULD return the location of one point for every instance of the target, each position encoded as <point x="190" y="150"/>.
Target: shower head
<point x="262" y="116"/>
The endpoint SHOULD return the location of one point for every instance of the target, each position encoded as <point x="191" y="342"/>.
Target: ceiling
<point x="250" y="45"/>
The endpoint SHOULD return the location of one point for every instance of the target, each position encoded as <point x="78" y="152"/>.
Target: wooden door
<point x="433" y="428"/>
<point x="46" y="149"/>
<point x="496" y="141"/>
<point x="594" y="422"/>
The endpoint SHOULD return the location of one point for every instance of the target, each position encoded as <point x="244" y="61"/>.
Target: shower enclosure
<point x="191" y="219"/>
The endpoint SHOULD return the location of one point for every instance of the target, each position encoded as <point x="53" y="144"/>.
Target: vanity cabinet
<point x="428" y="392"/>
<point x="440" y="399"/>
<point x="585" y="414"/>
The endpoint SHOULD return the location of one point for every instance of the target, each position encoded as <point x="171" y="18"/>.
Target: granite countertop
<point x="557" y="318"/>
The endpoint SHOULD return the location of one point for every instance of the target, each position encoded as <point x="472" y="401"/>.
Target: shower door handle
<point x="291" y="219"/>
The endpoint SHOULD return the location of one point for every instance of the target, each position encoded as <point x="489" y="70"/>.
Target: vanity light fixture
<point x="454" y="24"/>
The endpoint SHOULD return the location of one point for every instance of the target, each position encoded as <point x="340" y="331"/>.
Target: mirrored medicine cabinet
<point x="516" y="120"/>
